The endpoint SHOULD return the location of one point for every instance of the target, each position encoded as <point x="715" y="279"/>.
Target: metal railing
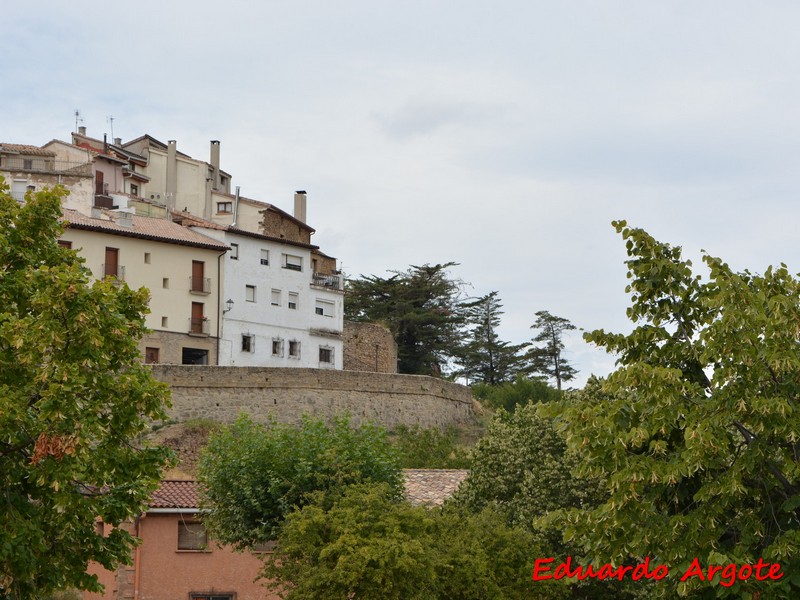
<point x="117" y="272"/>
<point x="199" y="326"/>
<point x="199" y="285"/>
<point x="332" y="282"/>
<point x="45" y="165"/>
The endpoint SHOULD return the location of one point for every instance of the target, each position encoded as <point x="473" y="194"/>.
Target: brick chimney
<point x="300" y="205"/>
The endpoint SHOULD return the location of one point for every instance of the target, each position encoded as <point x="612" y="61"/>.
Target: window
<point x="277" y="347"/>
<point x="151" y="356"/>
<point x="210" y="596"/>
<point x="111" y="267"/>
<point x="199" y="283"/>
<point x="265" y="546"/>
<point x="164" y="321"/>
<point x="198" y="322"/>
<point x="326" y="355"/>
<point x="194" y="356"/>
<point x="192" y="536"/>
<point x="294" y="349"/>
<point x="265" y="257"/>
<point x="248" y="343"/>
<point x="324" y="308"/>
<point x="293" y="297"/>
<point x="65" y="244"/>
<point x="134" y="189"/>
<point x="165" y="282"/>
<point x="27" y="163"/>
<point x="235" y="251"/>
<point x="224" y="208"/>
<point x="250" y="293"/>
<point x="147" y="258"/>
<point x="295" y="263"/>
<point x="276" y="298"/>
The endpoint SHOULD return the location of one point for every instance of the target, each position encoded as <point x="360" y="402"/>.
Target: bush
<point x="254" y="475"/>
<point x="429" y="448"/>
<point x="509" y="396"/>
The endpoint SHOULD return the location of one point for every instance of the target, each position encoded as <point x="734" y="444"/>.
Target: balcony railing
<point x="331" y="282"/>
<point x="115" y="271"/>
<point x="200" y="285"/>
<point x="199" y="326"/>
<point x="103" y="201"/>
<point x="45" y="165"/>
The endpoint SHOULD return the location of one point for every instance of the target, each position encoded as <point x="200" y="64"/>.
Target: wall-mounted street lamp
<point x="228" y="306"/>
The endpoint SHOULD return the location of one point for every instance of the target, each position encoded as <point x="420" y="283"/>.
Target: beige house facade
<point x="181" y="268"/>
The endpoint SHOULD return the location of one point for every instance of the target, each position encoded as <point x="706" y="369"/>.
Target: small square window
<point x="276" y="298"/>
<point x="164" y="321"/>
<point x="165" y="282"/>
<point x="65" y="244"/>
<point x="250" y="293"/>
<point x="27" y="163"/>
<point x="248" y="343"/>
<point x="265" y="257"/>
<point x="294" y="263"/>
<point x="294" y="349"/>
<point x="235" y="251"/>
<point x="147" y="258"/>
<point x="277" y="347"/>
<point x="134" y="190"/>
<point x="224" y="208"/>
<point x="324" y="308"/>
<point x="192" y="536"/>
<point x="293" y="297"/>
<point x="325" y="355"/>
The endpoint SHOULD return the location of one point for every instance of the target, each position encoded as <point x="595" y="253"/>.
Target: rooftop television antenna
<point x="78" y="118"/>
<point x="110" y="119"/>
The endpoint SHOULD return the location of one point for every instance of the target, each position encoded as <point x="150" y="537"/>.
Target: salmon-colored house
<point x="177" y="561"/>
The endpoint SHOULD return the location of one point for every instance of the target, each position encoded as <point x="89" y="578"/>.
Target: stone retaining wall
<point x="222" y="393"/>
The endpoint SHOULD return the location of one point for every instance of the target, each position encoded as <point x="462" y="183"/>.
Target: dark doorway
<point x="194" y="356"/>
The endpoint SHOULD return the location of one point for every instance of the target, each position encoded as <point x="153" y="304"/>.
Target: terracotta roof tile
<point x="25" y="149"/>
<point x="431" y="487"/>
<point x="428" y="487"/>
<point x="150" y="228"/>
<point x="175" y="494"/>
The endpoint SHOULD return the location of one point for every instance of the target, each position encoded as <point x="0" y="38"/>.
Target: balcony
<point x="200" y="285"/>
<point x="199" y="326"/>
<point x="329" y="282"/>
<point x="115" y="271"/>
<point x="40" y="164"/>
<point x="104" y="201"/>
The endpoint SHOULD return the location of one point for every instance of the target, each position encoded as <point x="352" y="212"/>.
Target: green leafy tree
<point x="697" y="430"/>
<point x="483" y="357"/>
<point x="420" y="306"/>
<point x="548" y="359"/>
<point x="432" y="448"/>
<point x="368" y="545"/>
<point x="512" y="394"/>
<point x="74" y="396"/>
<point x="253" y="475"/>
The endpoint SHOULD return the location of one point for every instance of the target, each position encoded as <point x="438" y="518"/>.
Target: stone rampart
<point x="222" y="393"/>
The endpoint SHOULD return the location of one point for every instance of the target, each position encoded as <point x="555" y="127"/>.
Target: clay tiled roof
<point x="428" y="487"/>
<point x="25" y="149"/>
<point x="162" y="230"/>
<point x="431" y="487"/>
<point x="175" y="494"/>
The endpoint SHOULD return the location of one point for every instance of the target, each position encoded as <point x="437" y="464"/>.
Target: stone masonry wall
<point x="222" y="393"/>
<point x="369" y="347"/>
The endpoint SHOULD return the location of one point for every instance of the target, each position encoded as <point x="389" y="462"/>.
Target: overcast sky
<point x="504" y="136"/>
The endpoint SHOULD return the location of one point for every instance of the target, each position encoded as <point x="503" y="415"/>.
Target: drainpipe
<point x="137" y="561"/>
<point x="235" y="208"/>
<point x="220" y="316"/>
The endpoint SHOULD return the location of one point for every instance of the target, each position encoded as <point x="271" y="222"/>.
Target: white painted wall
<point x="267" y="322"/>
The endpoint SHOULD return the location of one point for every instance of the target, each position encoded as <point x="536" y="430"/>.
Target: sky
<point x="504" y="136"/>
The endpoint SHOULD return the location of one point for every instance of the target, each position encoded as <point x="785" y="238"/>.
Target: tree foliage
<point x="548" y="359"/>
<point x="512" y="394"/>
<point x="368" y="545"/>
<point x="432" y="448"/>
<point x="420" y="306"/>
<point x="74" y="396"/>
<point x="254" y="475"/>
<point x="482" y="356"/>
<point x="697" y="430"/>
